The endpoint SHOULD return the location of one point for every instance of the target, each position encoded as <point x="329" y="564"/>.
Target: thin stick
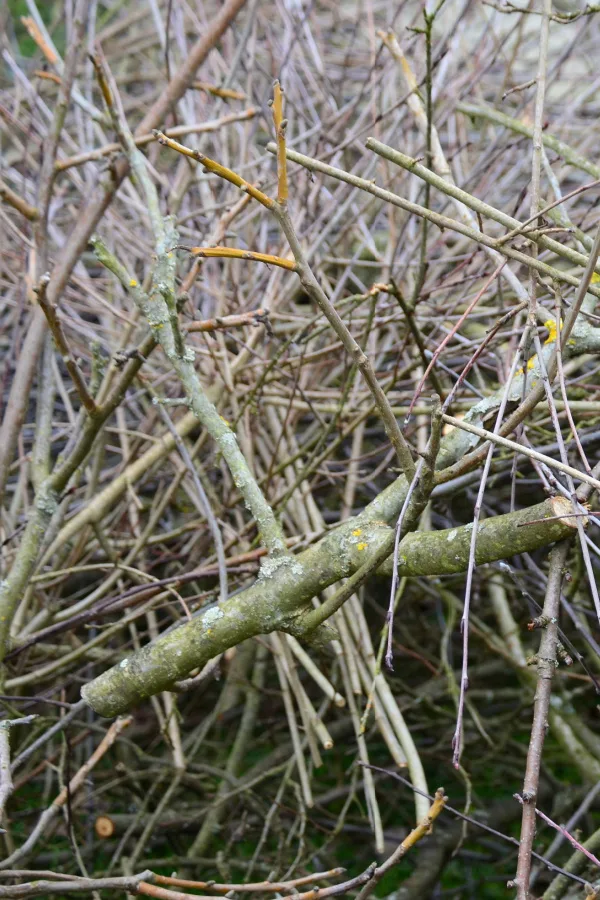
<point x="232" y="253"/>
<point x="451" y="334"/>
<point x="142" y="140"/>
<point x="546" y="209"/>
<point x="26" y="209"/>
<point x="563" y="831"/>
<point x="525" y="451"/>
<point x="6" y="782"/>
<point x="256" y="317"/>
<point x="280" y="127"/>
<point x="315" y="672"/>
<point x="389" y="655"/>
<point x="457" y="740"/>
<point x="41" y="828"/>
<point x="266" y="886"/>
<point x="546" y="669"/>
<point x="49" y="310"/>
<point x="216" y="168"/>
<point x="422" y="829"/>
<point x="204" y="503"/>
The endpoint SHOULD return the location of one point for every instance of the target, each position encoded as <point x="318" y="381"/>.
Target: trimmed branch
<point x="48" y="816"/>
<point x="500" y="537"/>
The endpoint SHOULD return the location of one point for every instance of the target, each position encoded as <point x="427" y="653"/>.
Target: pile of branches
<point x="298" y="461"/>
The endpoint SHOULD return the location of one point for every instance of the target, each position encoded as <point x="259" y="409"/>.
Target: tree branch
<point x="279" y="599"/>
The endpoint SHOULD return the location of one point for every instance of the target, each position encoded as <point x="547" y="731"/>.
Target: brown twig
<point x="68" y="791"/>
<point x="255" y="317"/>
<point x="9" y="196"/>
<point x="417" y="834"/>
<point x="49" y="310"/>
<point x="546" y="670"/>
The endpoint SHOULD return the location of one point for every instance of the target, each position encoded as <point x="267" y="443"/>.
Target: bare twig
<point x="546" y="669"/>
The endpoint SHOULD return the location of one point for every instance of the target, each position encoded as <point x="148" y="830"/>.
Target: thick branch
<point x="280" y="596"/>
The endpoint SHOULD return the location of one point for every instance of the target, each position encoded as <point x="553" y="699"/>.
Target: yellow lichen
<point x="550" y="324"/>
<point x="362" y="546"/>
<point x="133" y="283"/>
<point x="357" y="532"/>
<point x="530" y="364"/>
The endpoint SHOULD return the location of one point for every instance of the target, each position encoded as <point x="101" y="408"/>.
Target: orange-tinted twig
<point x="225" y="93"/>
<point x="102" y="79"/>
<point x="267" y="886"/>
<point x="34" y="32"/>
<point x="419" y="832"/>
<point x="48" y="76"/>
<point x="221" y="323"/>
<point x="280" y="127"/>
<point x="215" y="167"/>
<point x="233" y="253"/>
